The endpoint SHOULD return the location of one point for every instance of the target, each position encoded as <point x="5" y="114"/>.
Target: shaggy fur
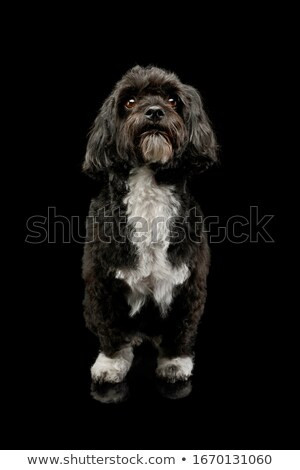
<point x="145" y="260"/>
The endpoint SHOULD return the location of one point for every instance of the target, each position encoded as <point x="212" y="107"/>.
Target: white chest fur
<point x="150" y="208"/>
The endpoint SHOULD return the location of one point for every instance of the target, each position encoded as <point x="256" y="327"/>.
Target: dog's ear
<point x="202" y="142"/>
<point x="98" y="157"/>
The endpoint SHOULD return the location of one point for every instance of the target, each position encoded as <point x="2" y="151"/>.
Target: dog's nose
<point x="154" y="113"/>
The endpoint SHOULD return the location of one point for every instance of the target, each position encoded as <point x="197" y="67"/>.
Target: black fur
<point x="113" y="150"/>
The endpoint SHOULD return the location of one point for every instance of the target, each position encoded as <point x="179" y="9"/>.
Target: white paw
<point x="112" y="369"/>
<point x="177" y="368"/>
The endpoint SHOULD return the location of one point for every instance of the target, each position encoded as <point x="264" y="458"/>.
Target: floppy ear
<point x="202" y="141"/>
<point x="98" y="155"/>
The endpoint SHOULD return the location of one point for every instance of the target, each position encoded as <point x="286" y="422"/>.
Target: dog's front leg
<point x="176" y="351"/>
<point x="105" y="315"/>
<point x="112" y="369"/>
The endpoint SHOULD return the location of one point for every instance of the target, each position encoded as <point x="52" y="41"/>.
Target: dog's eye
<point x="172" y="101"/>
<point x="130" y="103"/>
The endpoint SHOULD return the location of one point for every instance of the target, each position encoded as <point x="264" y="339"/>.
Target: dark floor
<point x="240" y="396"/>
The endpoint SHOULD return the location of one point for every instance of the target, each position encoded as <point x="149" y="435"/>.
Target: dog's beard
<point x="138" y="141"/>
<point x="156" y="147"/>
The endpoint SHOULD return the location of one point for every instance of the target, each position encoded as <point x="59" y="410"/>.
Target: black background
<point x="242" y="386"/>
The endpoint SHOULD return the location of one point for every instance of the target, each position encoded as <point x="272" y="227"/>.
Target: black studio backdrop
<point x="238" y="398"/>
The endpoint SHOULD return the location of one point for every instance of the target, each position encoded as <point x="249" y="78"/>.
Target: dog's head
<point x="150" y="117"/>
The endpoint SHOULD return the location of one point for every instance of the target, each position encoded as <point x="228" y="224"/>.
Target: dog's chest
<point x="150" y="209"/>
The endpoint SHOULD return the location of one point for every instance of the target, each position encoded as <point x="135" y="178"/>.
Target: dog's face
<point x="150" y="117"/>
<point x="150" y="122"/>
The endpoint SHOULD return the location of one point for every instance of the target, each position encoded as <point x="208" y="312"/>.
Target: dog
<point x="146" y="256"/>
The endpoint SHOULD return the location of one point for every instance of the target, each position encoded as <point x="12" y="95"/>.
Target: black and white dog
<point x="146" y="259"/>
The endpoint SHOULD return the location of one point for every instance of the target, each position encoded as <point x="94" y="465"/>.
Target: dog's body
<point x="146" y="258"/>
